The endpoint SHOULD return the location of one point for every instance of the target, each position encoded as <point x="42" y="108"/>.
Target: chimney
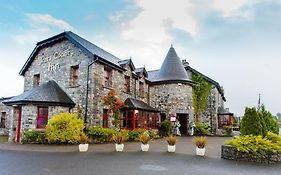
<point x="185" y="63"/>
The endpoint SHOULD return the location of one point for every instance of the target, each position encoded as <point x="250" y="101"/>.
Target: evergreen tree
<point x="270" y="122"/>
<point x="251" y="123"/>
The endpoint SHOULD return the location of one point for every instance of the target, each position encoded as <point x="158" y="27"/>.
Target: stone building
<point x="66" y="73"/>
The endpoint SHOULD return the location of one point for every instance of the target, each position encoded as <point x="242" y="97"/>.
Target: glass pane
<point x="42" y="122"/>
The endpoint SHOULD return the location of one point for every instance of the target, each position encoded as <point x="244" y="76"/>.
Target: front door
<point x="183" y="119"/>
<point x="18" y="117"/>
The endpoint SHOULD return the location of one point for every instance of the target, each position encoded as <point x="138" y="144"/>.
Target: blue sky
<point x="235" y="42"/>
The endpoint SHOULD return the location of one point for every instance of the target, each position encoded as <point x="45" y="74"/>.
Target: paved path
<point x="184" y="146"/>
<point x="125" y="163"/>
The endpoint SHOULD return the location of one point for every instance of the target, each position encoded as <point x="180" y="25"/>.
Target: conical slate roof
<point x="172" y="68"/>
<point x="49" y="93"/>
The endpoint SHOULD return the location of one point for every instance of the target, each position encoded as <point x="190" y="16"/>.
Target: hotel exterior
<point x="66" y="73"/>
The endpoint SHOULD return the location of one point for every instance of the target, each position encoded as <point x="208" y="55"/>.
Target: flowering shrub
<point x="64" y="128"/>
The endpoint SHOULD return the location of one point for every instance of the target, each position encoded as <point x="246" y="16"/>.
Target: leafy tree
<point x="200" y="94"/>
<point x="115" y="104"/>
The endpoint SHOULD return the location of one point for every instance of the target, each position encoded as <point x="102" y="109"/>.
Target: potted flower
<point x="200" y="143"/>
<point x="144" y="138"/>
<point x="119" y="139"/>
<point x="171" y="139"/>
<point x="83" y="146"/>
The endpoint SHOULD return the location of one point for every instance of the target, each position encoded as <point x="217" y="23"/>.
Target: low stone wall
<point x="230" y="152"/>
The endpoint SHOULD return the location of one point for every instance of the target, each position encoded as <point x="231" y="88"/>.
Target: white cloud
<point x="46" y="19"/>
<point x="41" y="26"/>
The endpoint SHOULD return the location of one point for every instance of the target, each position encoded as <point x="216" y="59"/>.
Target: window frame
<point x="141" y="89"/>
<point x="74" y="75"/>
<point x="107" y="77"/>
<point x="40" y="116"/>
<point x="36" y="80"/>
<point x="127" y="84"/>
<point x="3" y="119"/>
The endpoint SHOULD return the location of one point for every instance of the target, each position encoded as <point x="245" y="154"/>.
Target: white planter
<point x="119" y="147"/>
<point x="171" y="148"/>
<point x="144" y="147"/>
<point x="200" y="151"/>
<point x="83" y="147"/>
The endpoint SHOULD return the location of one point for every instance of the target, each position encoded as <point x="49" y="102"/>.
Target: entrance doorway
<point x="17" y="115"/>
<point x="183" y="119"/>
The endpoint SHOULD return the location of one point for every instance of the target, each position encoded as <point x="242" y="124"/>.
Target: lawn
<point x="3" y="138"/>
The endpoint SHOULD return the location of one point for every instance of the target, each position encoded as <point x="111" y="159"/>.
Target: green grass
<point x="3" y="138"/>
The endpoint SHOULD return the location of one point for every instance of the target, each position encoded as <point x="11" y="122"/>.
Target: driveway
<point x="125" y="163"/>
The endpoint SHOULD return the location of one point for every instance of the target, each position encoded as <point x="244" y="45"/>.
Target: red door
<point x="18" y="115"/>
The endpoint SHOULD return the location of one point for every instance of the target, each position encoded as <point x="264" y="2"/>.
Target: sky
<point x="235" y="42"/>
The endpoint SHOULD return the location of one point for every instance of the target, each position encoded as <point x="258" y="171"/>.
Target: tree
<point x="258" y="122"/>
<point x="251" y="123"/>
<point x="200" y="94"/>
<point x="115" y="104"/>
<point x="270" y="121"/>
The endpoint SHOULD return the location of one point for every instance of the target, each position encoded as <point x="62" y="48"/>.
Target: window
<point x="105" y="118"/>
<point x="107" y="77"/>
<point x="36" y="80"/>
<point x="141" y="89"/>
<point x="127" y="84"/>
<point x="74" y="75"/>
<point x="3" y="119"/>
<point x="224" y="120"/>
<point x="42" y="117"/>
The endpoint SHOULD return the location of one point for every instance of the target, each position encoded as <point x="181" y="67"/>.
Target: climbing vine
<point x="115" y="104"/>
<point x="200" y="94"/>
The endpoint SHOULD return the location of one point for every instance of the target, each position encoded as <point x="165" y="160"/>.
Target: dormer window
<point x="107" y="77"/>
<point x="74" y="70"/>
<point x="36" y="80"/>
<point x="127" y="84"/>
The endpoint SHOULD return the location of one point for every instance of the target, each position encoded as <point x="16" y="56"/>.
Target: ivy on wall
<point x="200" y="94"/>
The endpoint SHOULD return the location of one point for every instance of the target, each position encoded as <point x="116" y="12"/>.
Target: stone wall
<point x="230" y="152"/>
<point x="98" y="90"/>
<point x="171" y="98"/>
<point x="53" y="62"/>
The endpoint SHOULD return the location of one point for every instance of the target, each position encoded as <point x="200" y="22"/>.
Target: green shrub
<point x="165" y="128"/>
<point x="257" y="145"/>
<point x="228" y="130"/>
<point x="101" y="135"/>
<point x="64" y="128"/>
<point x="257" y="122"/>
<point x="34" y="137"/>
<point x="133" y="135"/>
<point x="153" y="133"/>
<point x="201" y="129"/>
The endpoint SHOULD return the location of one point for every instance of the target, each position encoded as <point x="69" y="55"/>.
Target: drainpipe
<point x="87" y="90"/>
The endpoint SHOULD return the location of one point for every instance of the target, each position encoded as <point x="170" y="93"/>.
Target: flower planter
<point x="83" y="147"/>
<point x="119" y="147"/>
<point x="200" y="151"/>
<point x="144" y="147"/>
<point x="171" y="148"/>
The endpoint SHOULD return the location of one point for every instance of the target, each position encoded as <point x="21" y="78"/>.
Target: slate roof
<point x="91" y="49"/>
<point x="132" y="103"/>
<point x="49" y="93"/>
<point x="140" y="71"/>
<point x="171" y="69"/>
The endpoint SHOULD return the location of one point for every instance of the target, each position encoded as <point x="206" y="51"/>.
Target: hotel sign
<point x="55" y="57"/>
